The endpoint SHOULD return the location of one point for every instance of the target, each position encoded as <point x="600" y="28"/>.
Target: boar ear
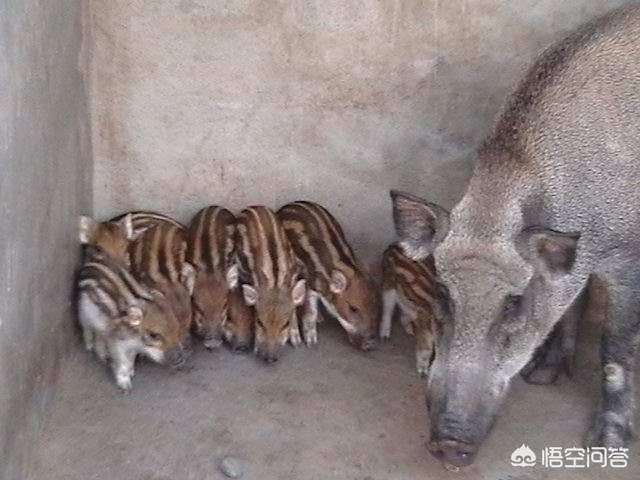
<point x="134" y="316"/>
<point x="421" y="225"/>
<point x="338" y="282"/>
<point x="126" y="225"/>
<point x="188" y="277"/>
<point x="232" y="276"/>
<point x="553" y="251"/>
<point x="87" y="227"/>
<point x="250" y="294"/>
<point x="299" y="292"/>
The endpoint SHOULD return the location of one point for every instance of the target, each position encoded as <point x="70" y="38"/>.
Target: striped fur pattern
<point x="239" y="329"/>
<point x="121" y="318"/>
<point x="270" y="278"/>
<point x="158" y="259"/>
<point x="334" y="276"/>
<point x="141" y="220"/>
<point x="412" y="287"/>
<point x="210" y="250"/>
<point x="111" y="236"/>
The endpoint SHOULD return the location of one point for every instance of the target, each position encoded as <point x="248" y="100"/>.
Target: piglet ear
<point x="299" y="292"/>
<point x="126" y="225"/>
<point x="421" y="225"/>
<point x="250" y="294"/>
<point x="155" y="293"/>
<point x="188" y="277"/>
<point x="549" y="250"/>
<point x="233" y="276"/>
<point x="134" y="316"/>
<point x="86" y="229"/>
<point x="338" y="282"/>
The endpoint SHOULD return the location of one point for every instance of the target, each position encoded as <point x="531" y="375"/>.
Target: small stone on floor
<point x="231" y="467"/>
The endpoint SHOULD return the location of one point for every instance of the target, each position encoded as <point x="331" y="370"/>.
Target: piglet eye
<point x="153" y="336"/>
<point x="512" y="305"/>
<point x="353" y="309"/>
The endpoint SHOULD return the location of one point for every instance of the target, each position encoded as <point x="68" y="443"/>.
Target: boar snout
<point x="455" y="452"/>
<point x="451" y="440"/>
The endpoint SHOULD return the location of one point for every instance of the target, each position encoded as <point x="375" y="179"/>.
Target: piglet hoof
<point x="607" y="431"/>
<point x="422" y="364"/>
<point x="311" y="337"/>
<point x="294" y="337"/>
<point x="212" y="343"/>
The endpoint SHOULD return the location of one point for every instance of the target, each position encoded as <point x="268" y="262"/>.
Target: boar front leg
<point x="613" y="422"/>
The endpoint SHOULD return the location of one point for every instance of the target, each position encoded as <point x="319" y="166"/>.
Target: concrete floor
<point x="327" y="413"/>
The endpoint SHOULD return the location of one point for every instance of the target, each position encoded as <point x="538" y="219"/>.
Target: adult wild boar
<point x="553" y="206"/>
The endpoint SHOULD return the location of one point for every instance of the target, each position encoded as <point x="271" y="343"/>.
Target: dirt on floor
<point x="325" y="413"/>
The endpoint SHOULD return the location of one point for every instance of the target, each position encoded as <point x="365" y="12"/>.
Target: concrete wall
<point x="241" y="102"/>
<point x="44" y="183"/>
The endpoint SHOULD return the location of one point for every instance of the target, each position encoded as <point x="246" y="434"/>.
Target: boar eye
<point x="512" y="305"/>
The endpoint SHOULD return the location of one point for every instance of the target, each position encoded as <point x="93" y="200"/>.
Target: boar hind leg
<point x="613" y="422"/>
<point x="557" y="353"/>
<point x="310" y="319"/>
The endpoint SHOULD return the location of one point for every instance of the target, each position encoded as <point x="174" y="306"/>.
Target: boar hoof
<point x="609" y="433"/>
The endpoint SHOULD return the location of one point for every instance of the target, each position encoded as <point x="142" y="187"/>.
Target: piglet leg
<point x="310" y="319"/>
<point x="122" y="363"/>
